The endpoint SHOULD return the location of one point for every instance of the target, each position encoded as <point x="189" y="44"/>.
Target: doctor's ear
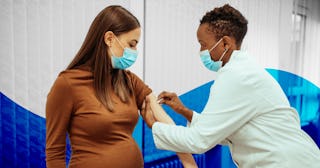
<point x="229" y="42"/>
<point x="108" y="38"/>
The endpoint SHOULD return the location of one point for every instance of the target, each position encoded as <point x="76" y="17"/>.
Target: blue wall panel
<point x="22" y="136"/>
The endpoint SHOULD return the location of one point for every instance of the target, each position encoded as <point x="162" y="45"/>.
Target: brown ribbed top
<point x="99" y="138"/>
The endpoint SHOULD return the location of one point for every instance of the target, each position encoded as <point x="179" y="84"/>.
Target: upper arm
<point x="58" y="111"/>
<point x="158" y="112"/>
<point x="141" y="90"/>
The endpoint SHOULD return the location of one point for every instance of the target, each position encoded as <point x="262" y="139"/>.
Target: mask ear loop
<point x="215" y="45"/>
<point x="111" y="51"/>
<point x="119" y="41"/>
<point x="224" y="53"/>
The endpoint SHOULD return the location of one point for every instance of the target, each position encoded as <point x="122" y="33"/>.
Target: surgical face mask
<point x="126" y="60"/>
<point x="208" y="62"/>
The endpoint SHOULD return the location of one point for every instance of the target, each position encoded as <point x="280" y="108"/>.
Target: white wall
<point x="172" y="50"/>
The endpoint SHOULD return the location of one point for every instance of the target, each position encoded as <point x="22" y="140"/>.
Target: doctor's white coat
<point x="248" y="110"/>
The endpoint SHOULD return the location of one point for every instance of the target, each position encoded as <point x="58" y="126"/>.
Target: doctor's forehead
<point x="204" y="33"/>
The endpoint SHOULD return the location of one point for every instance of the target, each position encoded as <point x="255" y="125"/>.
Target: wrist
<point x="181" y="110"/>
<point x="187" y="113"/>
<point x="152" y="123"/>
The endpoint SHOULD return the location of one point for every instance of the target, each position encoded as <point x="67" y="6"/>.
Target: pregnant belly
<point x="124" y="155"/>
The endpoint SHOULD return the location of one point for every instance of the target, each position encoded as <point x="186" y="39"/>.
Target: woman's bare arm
<point x="161" y="116"/>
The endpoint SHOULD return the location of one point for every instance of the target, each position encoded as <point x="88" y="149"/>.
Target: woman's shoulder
<point x="75" y="74"/>
<point x="70" y="77"/>
<point x="132" y="76"/>
<point x="135" y="80"/>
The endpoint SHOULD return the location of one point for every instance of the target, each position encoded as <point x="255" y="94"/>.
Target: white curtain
<point x="172" y="50"/>
<point x="311" y="58"/>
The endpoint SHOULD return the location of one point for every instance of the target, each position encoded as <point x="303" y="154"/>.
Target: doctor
<point x="246" y="109"/>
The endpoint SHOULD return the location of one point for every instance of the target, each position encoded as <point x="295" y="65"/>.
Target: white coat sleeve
<point x="229" y="107"/>
<point x="194" y="119"/>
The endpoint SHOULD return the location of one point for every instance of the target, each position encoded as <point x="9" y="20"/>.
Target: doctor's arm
<point x="172" y="100"/>
<point x="224" y="114"/>
<point x="161" y="116"/>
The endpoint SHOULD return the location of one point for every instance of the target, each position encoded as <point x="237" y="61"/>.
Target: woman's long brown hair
<point x="93" y="52"/>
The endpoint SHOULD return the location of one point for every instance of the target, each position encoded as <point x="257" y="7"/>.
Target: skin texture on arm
<point x="160" y="115"/>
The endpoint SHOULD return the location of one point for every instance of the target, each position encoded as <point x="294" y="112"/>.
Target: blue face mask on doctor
<point x="127" y="59"/>
<point x="208" y="62"/>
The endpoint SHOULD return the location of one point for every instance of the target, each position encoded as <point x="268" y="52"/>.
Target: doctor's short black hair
<point x="226" y="21"/>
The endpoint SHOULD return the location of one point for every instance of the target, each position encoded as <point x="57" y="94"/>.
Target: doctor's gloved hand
<point x="147" y="113"/>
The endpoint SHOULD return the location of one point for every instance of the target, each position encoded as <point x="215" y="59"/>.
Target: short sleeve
<point x="58" y="111"/>
<point x="141" y="90"/>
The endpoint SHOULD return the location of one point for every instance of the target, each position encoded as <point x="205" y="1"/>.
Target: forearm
<point x="187" y="160"/>
<point x="161" y="116"/>
<point x="187" y="113"/>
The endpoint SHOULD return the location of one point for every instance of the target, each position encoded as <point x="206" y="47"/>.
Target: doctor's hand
<point x="147" y="113"/>
<point x="171" y="99"/>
